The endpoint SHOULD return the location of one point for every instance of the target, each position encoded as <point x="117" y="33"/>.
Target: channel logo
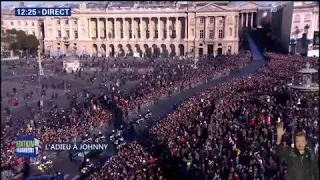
<point x="27" y="146"/>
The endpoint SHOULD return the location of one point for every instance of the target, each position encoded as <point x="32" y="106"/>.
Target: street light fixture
<point x="41" y="73"/>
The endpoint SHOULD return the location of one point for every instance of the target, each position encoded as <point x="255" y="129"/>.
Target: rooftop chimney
<point x="22" y="4"/>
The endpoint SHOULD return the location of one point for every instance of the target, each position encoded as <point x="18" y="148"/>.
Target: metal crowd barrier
<point x="135" y="112"/>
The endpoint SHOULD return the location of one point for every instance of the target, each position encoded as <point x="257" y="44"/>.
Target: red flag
<point x="268" y="120"/>
<point x="152" y="160"/>
<point x="253" y="122"/>
<point x="182" y="139"/>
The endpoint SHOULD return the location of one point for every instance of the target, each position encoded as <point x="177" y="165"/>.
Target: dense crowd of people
<point x="170" y="77"/>
<point x="226" y="132"/>
<point x="61" y="124"/>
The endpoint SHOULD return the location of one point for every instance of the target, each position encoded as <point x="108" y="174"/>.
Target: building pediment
<point x="211" y="7"/>
<point x="250" y="5"/>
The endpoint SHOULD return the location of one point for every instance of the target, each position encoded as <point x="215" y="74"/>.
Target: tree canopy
<point x="20" y="41"/>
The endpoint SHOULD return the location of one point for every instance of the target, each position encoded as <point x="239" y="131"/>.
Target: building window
<point x="68" y="33"/>
<point x="316" y="40"/>
<point x="32" y="23"/>
<point x="33" y="33"/>
<point x="307" y="18"/>
<point x="174" y="33"/>
<point x="220" y="34"/>
<point x="76" y="34"/>
<point x="75" y="22"/>
<point x="165" y="33"/>
<point x="201" y="34"/>
<point x="211" y="34"/>
<point x="19" y="23"/>
<point x="156" y="35"/>
<point x="59" y="33"/>
<point x="26" y="23"/>
<point x="147" y="34"/>
<point x="229" y="49"/>
<point x="296" y="18"/>
<point x="192" y="32"/>
<point x="121" y="33"/>
<point x="12" y="23"/>
<point x="230" y="31"/>
<point x="130" y="33"/>
<point x="139" y="33"/>
<point x="211" y="20"/>
<point x="221" y="21"/>
<point x="66" y="21"/>
<point x="202" y="20"/>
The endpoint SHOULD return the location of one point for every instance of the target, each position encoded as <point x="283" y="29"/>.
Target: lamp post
<point x="41" y="73"/>
<point x="296" y="108"/>
<point x="65" y="83"/>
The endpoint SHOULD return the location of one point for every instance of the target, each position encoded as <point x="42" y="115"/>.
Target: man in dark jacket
<point x="301" y="161"/>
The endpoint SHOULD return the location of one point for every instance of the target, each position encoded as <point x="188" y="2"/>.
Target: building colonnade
<point x="142" y="36"/>
<point x="248" y="19"/>
<point x="137" y="28"/>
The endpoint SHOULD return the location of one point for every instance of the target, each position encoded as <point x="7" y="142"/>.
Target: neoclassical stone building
<point x="296" y="26"/>
<point x="196" y="28"/>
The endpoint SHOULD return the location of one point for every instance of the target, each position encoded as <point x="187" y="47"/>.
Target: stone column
<point x="159" y="29"/>
<point x="115" y="29"/>
<point x="168" y="34"/>
<point x="139" y="23"/>
<point x="242" y="19"/>
<point x="236" y="27"/>
<point x="216" y="31"/>
<point x="141" y="29"/>
<point x="54" y="29"/>
<point x="177" y="28"/>
<point x="98" y="28"/>
<point x="107" y="30"/>
<point x="247" y="19"/>
<point x="206" y="33"/>
<point x="186" y="27"/>
<point x="151" y="28"/>
<point x="78" y="28"/>
<point x="70" y="28"/>
<point x="62" y="28"/>
<point x="133" y="29"/>
<point x="252" y="19"/>
<point x="225" y="34"/>
<point x="124" y="28"/>
<point x="45" y="25"/>
<point x="90" y="35"/>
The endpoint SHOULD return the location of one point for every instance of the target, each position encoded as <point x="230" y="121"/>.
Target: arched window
<point x="307" y="18"/>
<point x="296" y="18"/>
<point x="230" y="31"/>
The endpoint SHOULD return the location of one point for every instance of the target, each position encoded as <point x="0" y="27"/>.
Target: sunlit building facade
<point x="194" y="28"/>
<point x="296" y="25"/>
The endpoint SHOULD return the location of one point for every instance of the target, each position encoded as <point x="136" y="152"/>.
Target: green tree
<point x="20" y="41"/>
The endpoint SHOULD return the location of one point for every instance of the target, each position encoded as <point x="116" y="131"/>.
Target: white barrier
<point x="10" y="58"/>
<point x="313" y="53"/>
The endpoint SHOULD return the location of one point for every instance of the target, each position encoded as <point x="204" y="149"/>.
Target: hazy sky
<point x="16" y="3"/>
